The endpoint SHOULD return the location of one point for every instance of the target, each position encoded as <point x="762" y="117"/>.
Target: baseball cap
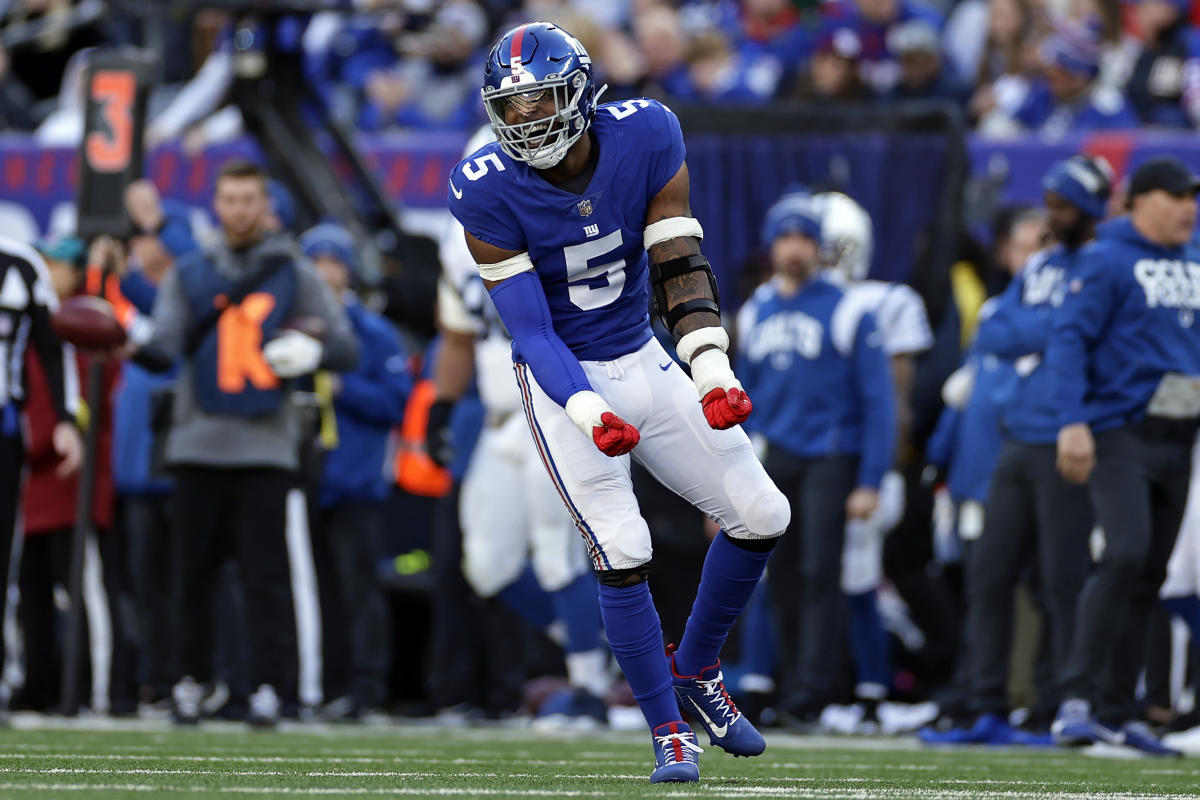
<point x="1165" y="172"/>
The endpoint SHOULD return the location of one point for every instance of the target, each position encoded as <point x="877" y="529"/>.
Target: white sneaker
<point x="187" y="696"/>
<point x="1187" y="742"/>
<point x="264" y="707"/>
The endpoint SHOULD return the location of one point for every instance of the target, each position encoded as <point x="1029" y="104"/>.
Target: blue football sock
<point x="728" y="579"/>
<point x="579" y="609"/>
<point x="635" y="637"/>
<point x="1188" y="609"/>
<point x="869" y="643"/>
<point x="526" y="597"/>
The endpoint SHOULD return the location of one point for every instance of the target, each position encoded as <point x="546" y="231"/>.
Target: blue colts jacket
<point x="1128" y="318"/>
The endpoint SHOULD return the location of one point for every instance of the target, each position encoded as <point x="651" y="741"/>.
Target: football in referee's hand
<point x="88" y="322"/>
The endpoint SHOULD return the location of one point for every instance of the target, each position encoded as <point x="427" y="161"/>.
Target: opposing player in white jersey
<point x="509" y="510"/>
<point x="847" y="245"/>
<point x="560" y="214"/>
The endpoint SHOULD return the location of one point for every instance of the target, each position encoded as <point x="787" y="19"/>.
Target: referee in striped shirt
<point x="27" y="299"/>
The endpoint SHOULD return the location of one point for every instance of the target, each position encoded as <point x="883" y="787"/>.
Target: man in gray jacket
<point x="232" y="312"/>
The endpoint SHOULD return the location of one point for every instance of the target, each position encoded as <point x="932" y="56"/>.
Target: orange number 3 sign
<point x="114" y="93"/>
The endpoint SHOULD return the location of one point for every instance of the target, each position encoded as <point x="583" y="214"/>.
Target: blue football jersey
<point x="587" y="248"/>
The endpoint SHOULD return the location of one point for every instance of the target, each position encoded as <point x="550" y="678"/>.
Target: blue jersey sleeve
<point x="664" y="142"/>
<point x="1090" y="301"/>
<point x="476" y="198"/>
<point x="1013" y="329"/>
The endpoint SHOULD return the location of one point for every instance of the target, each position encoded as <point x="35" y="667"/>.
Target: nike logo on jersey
<point x="665" y="367"/>
<point x="718" y="731"/>
<point x="453" y="188"/>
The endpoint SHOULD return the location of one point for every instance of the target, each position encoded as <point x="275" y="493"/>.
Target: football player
<point x="575" y="215"/>
<point x="509" y="511"/>
<point x="847" y="244"/>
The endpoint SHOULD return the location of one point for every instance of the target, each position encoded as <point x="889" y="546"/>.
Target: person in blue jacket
<point x="367" y="403"/>
<point x="827" y="413"/>
<point x="1033" y="515"/>
<point x="1069" y="97"/>
<point x="1124" y="362"/>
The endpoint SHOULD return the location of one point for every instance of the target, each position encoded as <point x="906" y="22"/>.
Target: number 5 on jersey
<point x="596" y="286"/>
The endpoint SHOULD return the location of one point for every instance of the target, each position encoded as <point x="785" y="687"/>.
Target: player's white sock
<point x="587" y="670"/>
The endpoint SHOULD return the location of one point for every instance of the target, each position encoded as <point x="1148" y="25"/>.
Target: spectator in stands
<point x="434" y="84"/>
<point x="1164" y="87"/>
<point x="776" y="30"/>
<point x="716" y="73"/>
<point x="235" y="387"/>
<point x="1067" y="97"/>
<point x="368" y="402"/>
<point x="872" y="19"/>
<point x="832" y="75"/>
<point x="1007" y="60"/>
<point x="923" y="73"/>
<point x="50" y="503"/>
<point x="662" y="42"/>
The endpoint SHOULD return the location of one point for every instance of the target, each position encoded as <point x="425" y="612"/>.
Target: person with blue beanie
<point x="367" y="403"/>
<point x="1033" y="517"/>
<point x="1069" y="97"/>
<point x="818" y="371"/>
<point x="1124" y="366"/>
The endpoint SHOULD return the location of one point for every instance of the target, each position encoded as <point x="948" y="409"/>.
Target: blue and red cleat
<point x="704" y="697"/>
<point x="676" y="754"/>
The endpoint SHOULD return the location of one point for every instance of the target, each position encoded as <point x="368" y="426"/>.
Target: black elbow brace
<point x="664" y="271"/>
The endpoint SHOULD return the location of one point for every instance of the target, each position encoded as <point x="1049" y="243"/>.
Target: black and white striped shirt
<point x="27" y="299"/>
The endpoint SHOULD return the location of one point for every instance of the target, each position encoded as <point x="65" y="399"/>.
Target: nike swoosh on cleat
<point x="665" y="367"/>
<point x="453" y="188"/>
<point x="717" y="731"/>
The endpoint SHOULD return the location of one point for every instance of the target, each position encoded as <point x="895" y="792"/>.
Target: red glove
<point x="724" y="408"/>
<point x="614" y="436"/>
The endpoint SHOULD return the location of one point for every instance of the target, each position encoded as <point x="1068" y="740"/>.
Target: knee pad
<point x="619" y="578"/>
<point x="768" y="516"/>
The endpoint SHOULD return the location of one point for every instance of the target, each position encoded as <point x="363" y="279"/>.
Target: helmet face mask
<point x="531" y="67"/>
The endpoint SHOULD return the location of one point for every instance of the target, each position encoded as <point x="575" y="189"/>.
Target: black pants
<point x="804" y="573"/>
<point x="148" y="534"/>
<point x="1033" y="517"/>
<point x="353" y="538"/>
<point x="12" y="470"/>
<point x="1138" y="489"/>
<point x="243" y="512"/>
<point x="45" y="563"/>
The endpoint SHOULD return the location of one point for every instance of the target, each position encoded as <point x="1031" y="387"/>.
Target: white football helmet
<point x="847" y="239"/>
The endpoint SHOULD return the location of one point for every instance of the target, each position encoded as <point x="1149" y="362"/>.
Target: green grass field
<point x="99" y="760"/>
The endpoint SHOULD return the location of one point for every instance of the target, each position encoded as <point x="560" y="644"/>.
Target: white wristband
<point x="711" y="370"/>
<point x="585" y="409"/>
<point x="689" y="343"/>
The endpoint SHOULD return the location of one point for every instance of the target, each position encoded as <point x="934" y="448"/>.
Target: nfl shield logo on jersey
<point x="585" y="208"/>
